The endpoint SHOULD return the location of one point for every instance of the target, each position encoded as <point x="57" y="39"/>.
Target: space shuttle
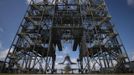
<point x="67" y="60"/>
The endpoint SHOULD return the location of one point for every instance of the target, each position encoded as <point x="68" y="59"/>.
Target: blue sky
<point x="12" y="12"/>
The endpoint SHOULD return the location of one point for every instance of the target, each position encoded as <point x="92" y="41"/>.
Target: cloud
<point x="1" y="46"/>
<point x="130" y="2"/>
<point x="36" y="1"/>
<point x="59" y="56"/>
<point x="1" y="29"/>
<point x="28" y="1"/>
<point x="3" y="54"/>
<point x="133" y="57"/>
<point x="66" y="50"/>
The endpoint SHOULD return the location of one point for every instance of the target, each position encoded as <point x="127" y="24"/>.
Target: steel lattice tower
<point x="46" y="23"/>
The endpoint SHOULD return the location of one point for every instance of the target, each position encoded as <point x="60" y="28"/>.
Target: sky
<point x="12" y="12"/>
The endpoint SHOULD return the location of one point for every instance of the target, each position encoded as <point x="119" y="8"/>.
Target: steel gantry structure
<point x="47" y="22"/>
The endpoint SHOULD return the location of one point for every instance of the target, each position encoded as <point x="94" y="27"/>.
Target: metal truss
<point x="46" y="23"/>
